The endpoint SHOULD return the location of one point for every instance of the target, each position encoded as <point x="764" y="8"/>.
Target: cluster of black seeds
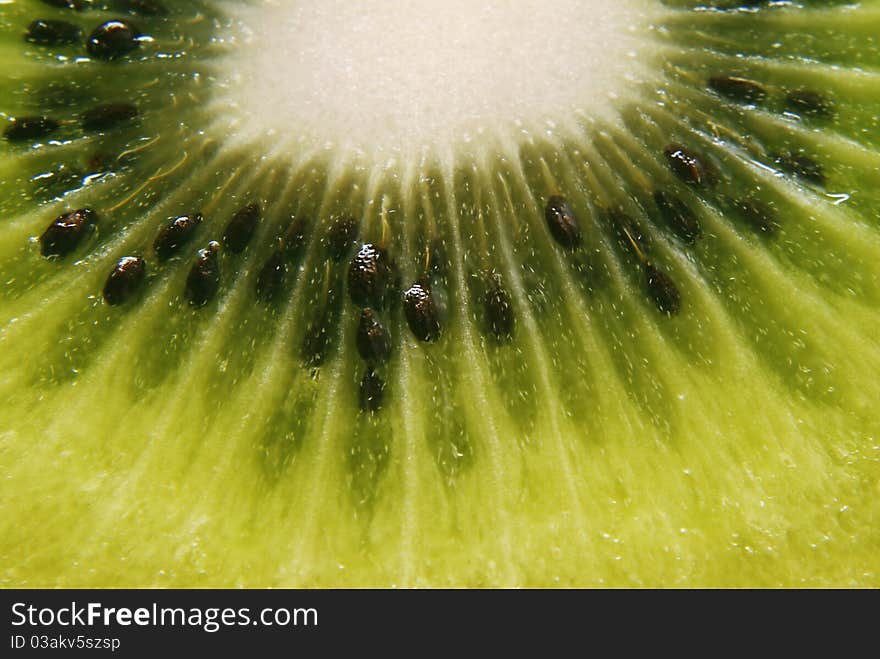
<point x="374" y="346"/>
<point x="67" y="231"/>
<point x="373" y="276"/>
<point x="805" y="103"/>
<point x="628" y="236"/>
<point x="802" y="102"/>
<point x="694" y="169"/>
<point x="374" y="288"/>
<point x="702" y="176"/>
<point x="372" y="284"/>
<point x="108" y="41"/>
<point x="756" y="215"/>
<point x="97" y="119"/>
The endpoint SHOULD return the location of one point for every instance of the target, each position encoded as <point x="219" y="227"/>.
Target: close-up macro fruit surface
<point x="439" y="293"/>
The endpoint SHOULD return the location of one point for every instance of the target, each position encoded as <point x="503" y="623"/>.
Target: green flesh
<point x="734" y="444"/>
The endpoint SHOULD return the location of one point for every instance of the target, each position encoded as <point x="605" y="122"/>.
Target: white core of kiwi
<point x="413" y="75"/>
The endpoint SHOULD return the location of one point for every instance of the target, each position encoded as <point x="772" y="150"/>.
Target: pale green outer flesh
<point x="735" y="445"/>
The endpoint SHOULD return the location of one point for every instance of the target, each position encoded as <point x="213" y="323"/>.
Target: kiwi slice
<point x="567" y="293"/>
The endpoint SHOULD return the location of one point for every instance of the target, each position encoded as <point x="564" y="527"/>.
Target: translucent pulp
<point x="402" y="76"/>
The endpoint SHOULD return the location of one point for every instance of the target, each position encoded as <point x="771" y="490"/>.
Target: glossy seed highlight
<point x="562" y="223"/>
<point x="125" y="280"/>
<point x="112" y="40"/>
<point x="370" y="276"/>
<point x="203" y="280"/>
<point x="686" y="165"/>
<point x="66" y="232"/>
<point x="421" y="312"/>
<point x="176" y="233"/>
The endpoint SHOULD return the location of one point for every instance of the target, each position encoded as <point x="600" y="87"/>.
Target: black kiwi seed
<point x="204" y="277"/>
<point x="686" y="165"/>
<point x="662" y="290"/>
<point x="758" y="215"/>
<point x="801" y="166"/>
<point x="562" y="223"/>
<point x="678" y="217"/>
<point x="46" y="32"/>
<point x="809" y="103"/>
<point x="341" y="237"/>
<point x="372" y="338"/>
<point x="270" y="279"/>
<point x="66" y="232"/>
<point x="370" y="276"/>
<point x="22" y="129"/>
<point x="104" y="117"/>
<point x="113" y="39"/>
<point x="371" y="392"/>
<point x="737" y="89"/>
<point x="500" y="318"/>
<point x="176" y="233"/>
<point x="421" y="312"/>
<point x="125" y="280"/>
<point x="241" y="227"/>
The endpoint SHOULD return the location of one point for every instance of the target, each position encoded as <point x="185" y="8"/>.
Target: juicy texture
<point x="605" y="441"/>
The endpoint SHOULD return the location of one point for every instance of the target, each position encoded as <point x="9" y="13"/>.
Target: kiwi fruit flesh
<point x="618" y="331"/>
